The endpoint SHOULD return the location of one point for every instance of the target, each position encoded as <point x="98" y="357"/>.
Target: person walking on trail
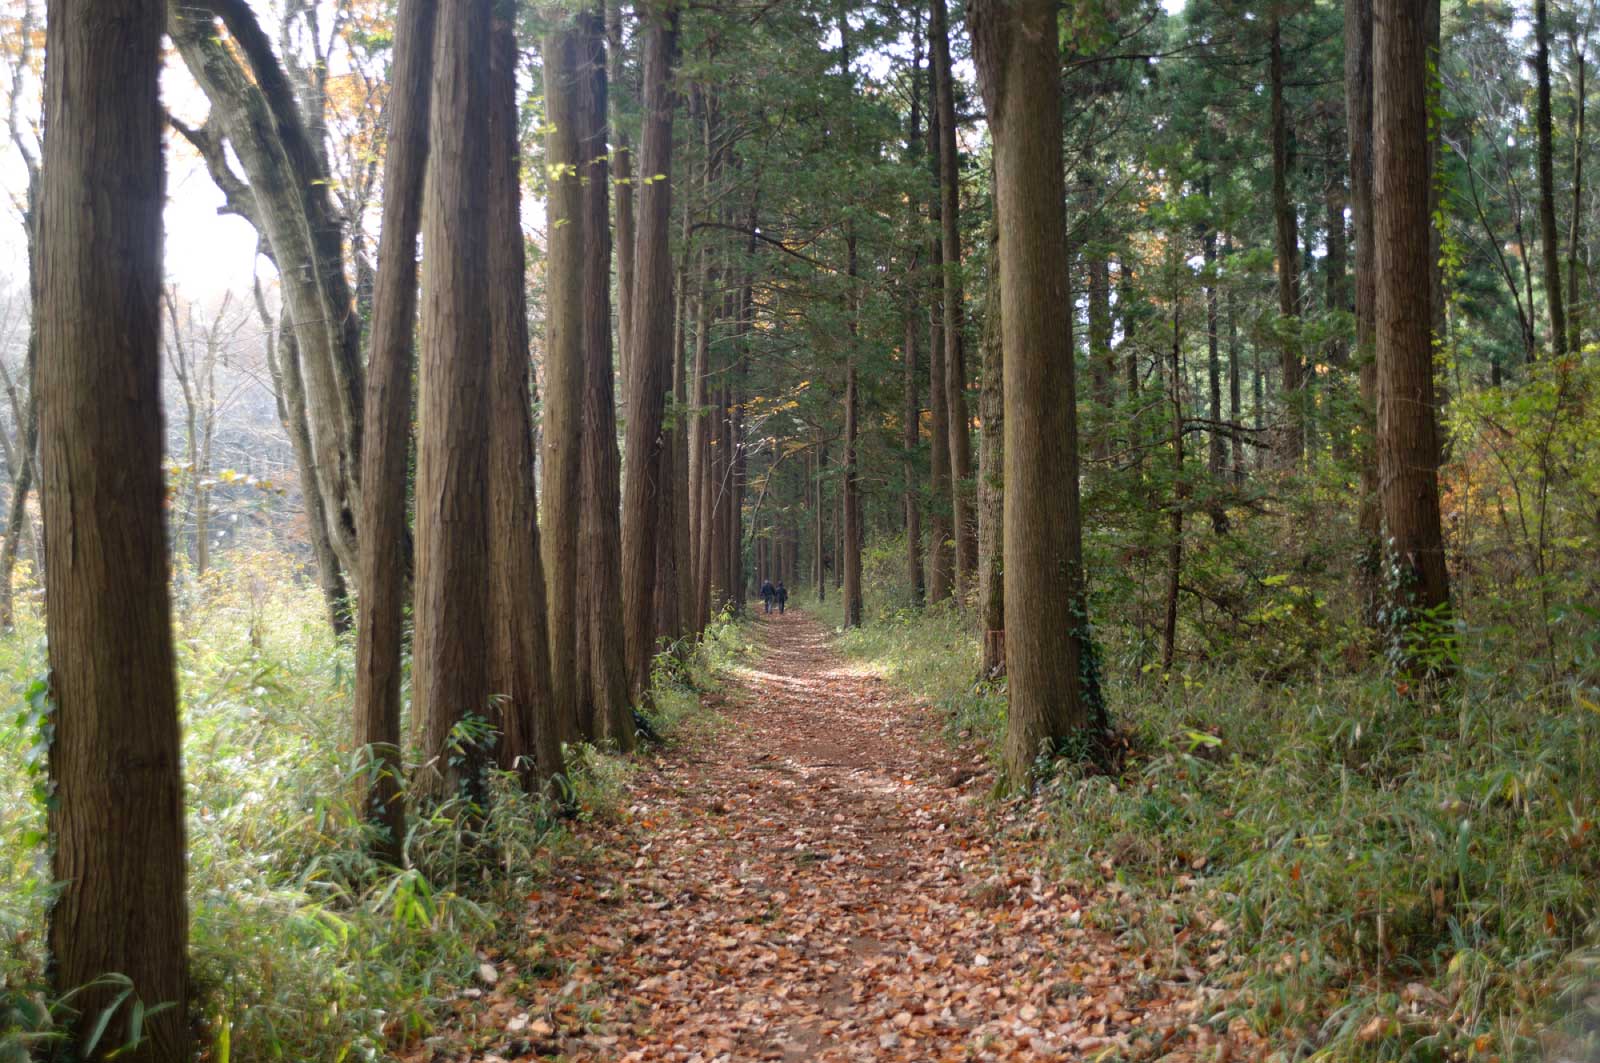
<point x="767" y="594"/>
<point x="782" y="594"/>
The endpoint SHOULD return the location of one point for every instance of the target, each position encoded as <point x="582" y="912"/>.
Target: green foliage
<point x="303" y="945"/>
<point x="1359" y="874"/>
<point x="1324" y="848"/>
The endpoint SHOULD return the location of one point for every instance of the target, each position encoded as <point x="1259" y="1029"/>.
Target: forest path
<point x="819" y="876"/>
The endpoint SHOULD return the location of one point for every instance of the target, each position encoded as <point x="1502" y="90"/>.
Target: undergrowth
<point x="303" y="947"/>
<point x="1360" y="875"/>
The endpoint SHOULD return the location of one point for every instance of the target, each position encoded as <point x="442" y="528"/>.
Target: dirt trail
<point x="820" y="877"/>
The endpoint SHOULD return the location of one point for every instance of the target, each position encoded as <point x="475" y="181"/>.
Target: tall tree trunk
<point x="1258" y="401"/>
<point x="652" y="339"/>
<point x="741" y="311"/>
<point x="911" y="412"/>
<point x="721" y="474"/>
<point x="116" y="815"/>
<point x="670" y="494"/>
<point x="385" y="459"/>
<point x="819" y="516"/>
<point x="1548" y="237"/>
<point x="1102" y="364"/>
<point x="1287" y="245"/>
<point x="609" y="714"/>
<point x="702" y="453"/>
<point x="1169" y="627"/>
<point x="1437" y="305"/>
<point x="852" y="473"/>
<point x="736" y="450"/>
<point x="666" y="603"/>
<point x="622" y="179"/>
<point x="1580" y="102"/>
<point x="703" y="428"/>
<point x="955" y="361"/>
<point x="283" y="365"/>
<point x="911" y="440"/>
<point x="1358" y="84"/>
<point x="519" y="622"/>
<point x="1214" y="439"/>
<point x="1049" y="656"/>
<point x="449" y="677"/>
<point x="562" y="425"/>
<point x="838" y="536"/>
<point x="1408" y="441"/>
<point x="1309" y="383"/>
<point x="1234" y="413"/>
<point x="254" y="105"/>
<point x="685" y="500"/>
<point x="991" y="472"/>
<point x="1337" y="283"/>
<point x="1125" y="296"/>
<point x="941" y="560"/>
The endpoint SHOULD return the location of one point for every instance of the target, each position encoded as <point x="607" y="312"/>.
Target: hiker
<point x="783" y="596"/>
<point x="767" y="594"/>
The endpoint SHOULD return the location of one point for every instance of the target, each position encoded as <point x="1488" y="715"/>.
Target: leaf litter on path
<point x="823" y="878"/>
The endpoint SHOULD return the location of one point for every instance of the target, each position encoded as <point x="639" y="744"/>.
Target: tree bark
<point x="911" y="407"/>
<point x="941" y="531"/>
<point x="702" y="433"/>
<point x="652" y="337"/>
<point x="991" y="473"/>
<point x="955" y="364"/>
<point x="562" y="424"/>
<point x="449" y="676"/>
<point x="1215" y="454"/>
<point x="911" y="441"/>
<point x="610" y="712"/>
<point x="116" y="817"/>
<point x="1580" y="102"/>
<point x="819" y="563"/>
<point x="283" y="365"/>
<point x="257" y="110"/>
<point x="626" y="191"/>
<point x="1287" y="245"/>
<point x="737" y="457"/>
<point x="665" y="606"/>
<point x="1102" y="364"/>
<point x="685" y="501"/>
<point x="1408" y="441"/>
<point x="519" y="622"/>
<point x="703" y="430"/>
<point x="1169" y="627"/>
<point x="1234" y="414"/>
<point x="1125" y="296"/>
<point x="852" y="473"/>
<point x="1548" y="234"/>
<point x="1358" y="82"/>
<point x="385" y="460"/>
<point x="1053" y="685"/>
<point x="1337" y="287"/>
<point x="721" y="473"/>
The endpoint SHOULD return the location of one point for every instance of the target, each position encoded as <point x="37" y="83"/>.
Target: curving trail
<point x="821" y="877"/>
